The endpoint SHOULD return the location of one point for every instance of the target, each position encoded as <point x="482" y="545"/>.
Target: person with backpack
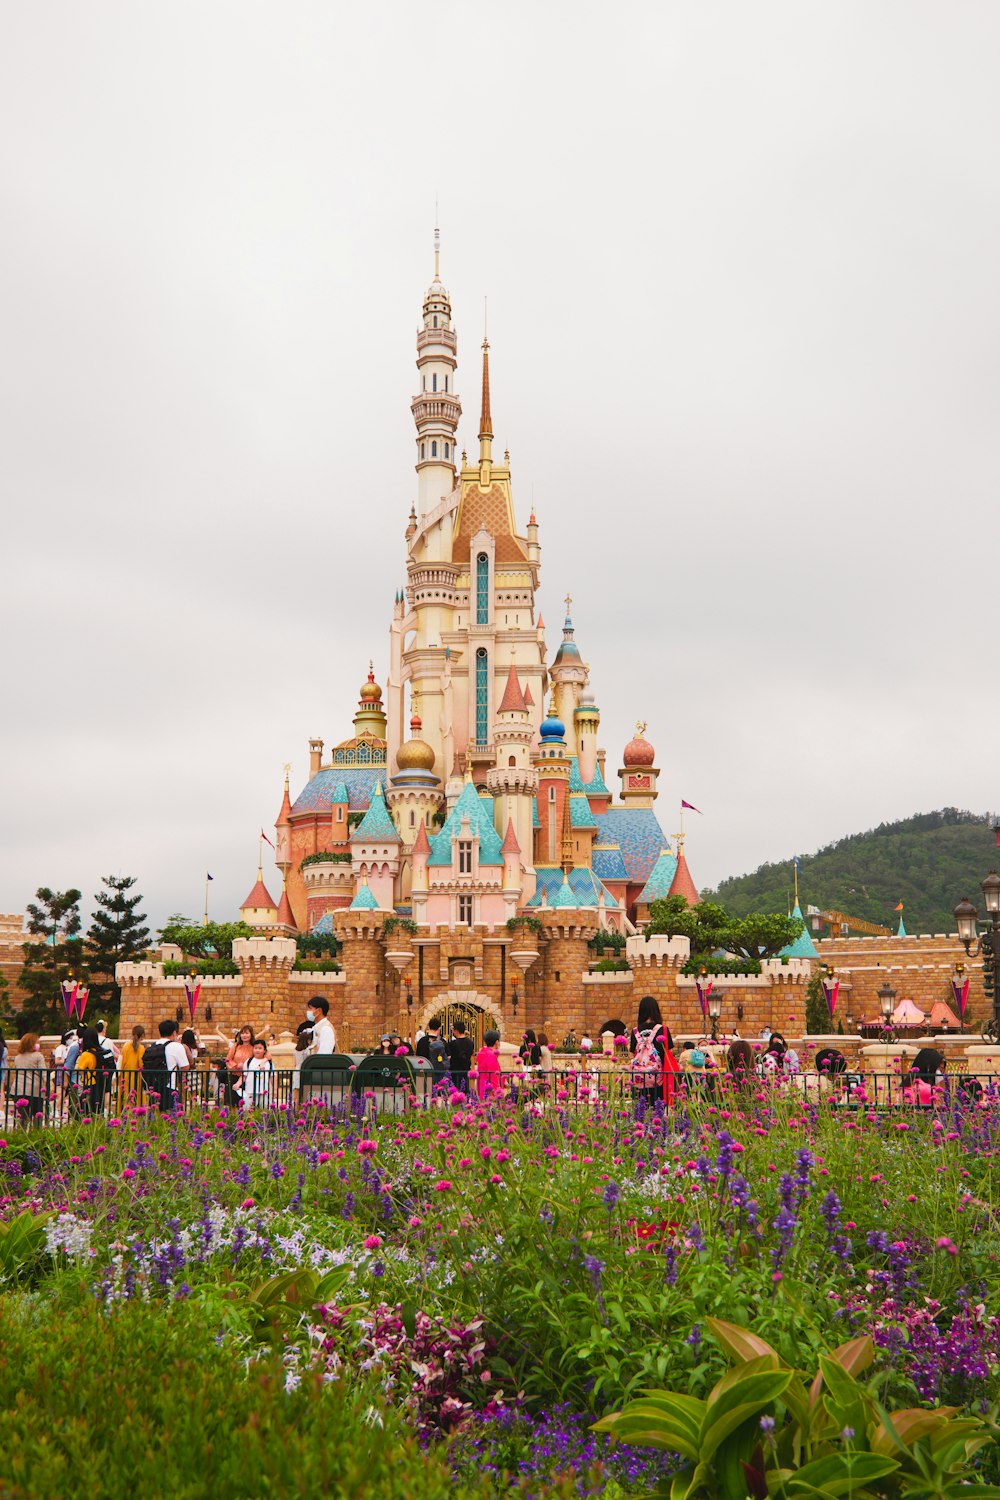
<point x="654" y="1067"/>
<point x="460" y="1051"/>
<point x="162" y="1064"/>
<point x="432" y="1046"/>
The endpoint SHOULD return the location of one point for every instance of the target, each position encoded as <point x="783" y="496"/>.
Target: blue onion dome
<point x="552" y="727"/>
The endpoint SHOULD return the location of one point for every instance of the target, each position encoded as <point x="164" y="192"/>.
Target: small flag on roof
<point x="899" y="907"/>
<point x="692" y="807"/>
<point x="265" y="838"/>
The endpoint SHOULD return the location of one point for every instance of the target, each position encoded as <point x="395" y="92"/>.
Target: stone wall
<point x="12" y="940"/>
<point x="918" y="968"/>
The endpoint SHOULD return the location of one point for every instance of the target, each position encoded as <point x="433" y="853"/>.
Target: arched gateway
<point x="477" y="1011"/>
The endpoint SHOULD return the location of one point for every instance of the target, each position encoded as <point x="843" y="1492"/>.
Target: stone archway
<point x="478" y="1011"/>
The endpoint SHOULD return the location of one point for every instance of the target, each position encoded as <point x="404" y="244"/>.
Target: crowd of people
<point x="89" y="1069"/>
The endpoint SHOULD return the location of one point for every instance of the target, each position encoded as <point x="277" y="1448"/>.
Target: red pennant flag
<point x="265" y="838"/>
<point x="691" y="807"/>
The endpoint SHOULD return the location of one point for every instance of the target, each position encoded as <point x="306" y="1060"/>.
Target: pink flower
<point x="247" y="1203"/>
<point x="323" y="1156"/>
<point x="946" y="1244"/>
<point x="443" y="1186"/>
<point x="485" y="1152"/>
<point x="415" y="1221"/>
<point x="496" y="1177"/>
<point x="128" y="1172"/>
<point x="373" y="1241"/>
<point x="366" y="1148"/>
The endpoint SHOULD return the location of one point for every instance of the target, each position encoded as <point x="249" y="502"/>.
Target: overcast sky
<point x="742" y="266"/>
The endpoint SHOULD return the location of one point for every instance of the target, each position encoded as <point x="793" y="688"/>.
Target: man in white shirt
<point x="175" y="1060"/>
<point x="107" y="1045"/>
<point x="324" y="1038"/>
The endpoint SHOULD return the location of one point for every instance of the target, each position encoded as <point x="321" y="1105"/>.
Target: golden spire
<point x="567" y="837"/>
<point x="485" y="419"/>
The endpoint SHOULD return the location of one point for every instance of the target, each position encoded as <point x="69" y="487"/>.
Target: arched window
<point x="512" y="761"/>
<point x="446" y="454"/>
<point x="446" y="382"/>
<point x="552" y="794"/>
<point x="435" y="320"/>
<point x="482" y="696"/>
<point x="434" y="449"/>
<point x="434" y="382"/>
<point x="413" y="819"/>
<point x="482" y="591"/>
<point x="423" y="450"/>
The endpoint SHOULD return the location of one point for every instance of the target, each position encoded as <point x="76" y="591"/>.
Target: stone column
<point x="368" y="990"/>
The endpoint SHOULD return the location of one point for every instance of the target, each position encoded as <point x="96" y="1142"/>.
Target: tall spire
<point x="485" y="419"/>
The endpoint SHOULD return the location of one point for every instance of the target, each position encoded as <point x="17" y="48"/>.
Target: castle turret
<point x="513" y="782"/>
<point x="512" y="888"/>
<point x="258" y="910"/>
<point x="370" y="717"/>
<point x="282" y="829"/>
<point x="375" y="850"/>
<point x="638" y="775"/>
<point x="552" y="763"/>
<point x="436" y="408"/>
<point x="568" y="676"/>
<point x="414" y="794"/>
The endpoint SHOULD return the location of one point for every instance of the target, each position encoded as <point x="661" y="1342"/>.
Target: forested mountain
<point x="929" y="862"/>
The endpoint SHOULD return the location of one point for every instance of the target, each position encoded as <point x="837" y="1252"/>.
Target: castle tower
<point x="258" y="910"/>
<point x="282" y="829"/>
<point x="587" y="721"/>
<point x="375" y="850"/>
<point x="683" y="881"/>
<point x="552" y="763"/>
<point x="370" y="717"/>
<point x="513" y="782"/>
<point x="569" y="677"/>
<point x="638" y="775"/>
<point x="436" y="408"/>
<point x="414" y="794"/>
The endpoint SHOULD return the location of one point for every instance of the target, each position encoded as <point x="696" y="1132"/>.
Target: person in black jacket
<point x="460" y="1051"/>
<point x="431" y="1045"/>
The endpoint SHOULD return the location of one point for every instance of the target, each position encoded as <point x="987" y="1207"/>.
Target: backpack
<point x="647" y="1067"/>
<point x="154" y="1059"/>
<point x="438" y="1054"/>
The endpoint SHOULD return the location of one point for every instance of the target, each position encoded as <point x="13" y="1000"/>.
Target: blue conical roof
<point x="564" y="895"/>
<point x="376" y="827"/>
<point x="901" y="930"/>
<point x="803" y="947"/>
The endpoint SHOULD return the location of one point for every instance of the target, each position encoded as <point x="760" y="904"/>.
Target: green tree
<point x="204" y="940"/>
<point x="817" y="1012"/>
<point x="55" y="917"/>
<point x="761" y="935"/>
<point x="115" y="936"/>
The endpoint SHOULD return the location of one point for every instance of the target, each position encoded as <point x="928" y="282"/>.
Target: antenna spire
<point x="437" y="242"/>
<point x="485" y="418"/>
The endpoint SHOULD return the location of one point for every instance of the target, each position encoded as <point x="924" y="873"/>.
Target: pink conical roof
<point x="286" y="808"/>
<point x="512" y="701"/>
<point x="286" y="917"/>
<point x="259" y="897"/>
<point x="510" y="844"/>
<point x="421" y="844"/>
<point x="682" y="883"/>
<point x="529" y="701"/>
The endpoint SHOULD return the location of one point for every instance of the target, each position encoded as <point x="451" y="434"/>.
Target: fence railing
<point x="34" y="1097"/>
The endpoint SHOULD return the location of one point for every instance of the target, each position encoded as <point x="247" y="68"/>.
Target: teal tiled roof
<point x="364" y="900"/>
<point x="565" y="895"/>
<point x="376" y="827"/>
<point x="584" y="885"/>
<point x="480" y="814"/>
<point x="608" y="862"/>
<point x="595" y="788"/>
<point x="580" y="815"/>
<point x="803" y="947"/>
<point x="661" y="878"/>
<point x="901" y="930"/>
<point x="340" y="793"/>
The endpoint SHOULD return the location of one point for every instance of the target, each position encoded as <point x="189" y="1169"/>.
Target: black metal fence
<point x="34" y="1097"/>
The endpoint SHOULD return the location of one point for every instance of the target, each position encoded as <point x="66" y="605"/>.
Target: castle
<point x="472" y="865"/>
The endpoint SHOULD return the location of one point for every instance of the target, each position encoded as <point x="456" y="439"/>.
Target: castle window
<point x="482" y="591"/>
<point x="434" y="382"/>
<point x="423" y="450"/>
<point x="465" y="911"/>
<point x="434" y="450"/>
<point x="435" y="320"/>
<point x="446" y="450"/>
<point x="340" y="814"/>
<point x="552" y="794"/>
<point x="465" y="858"/>
<point x="446" y="382"/>
<point x="482" y="696"/>
<point x="413" y="820"/>
<point x="512" y="761"/>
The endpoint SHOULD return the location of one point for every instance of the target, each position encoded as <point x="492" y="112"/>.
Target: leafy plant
<point x="762" y="1430"/>
<point x="203" y="968"/>
<point x="526" y="920"/>
<point x="325" y="857"/>
<point x="399" y="924"/>
<point x="610" y="966"/>
<point x="22" y="1247"/>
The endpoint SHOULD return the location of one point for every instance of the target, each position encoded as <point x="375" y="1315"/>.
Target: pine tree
<point x="56" y="919"/>
<point x="115" y="936"/>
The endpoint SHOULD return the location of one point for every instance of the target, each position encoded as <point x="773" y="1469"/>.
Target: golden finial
<point x="569" y="601"/>
<point x="641" y="726"/>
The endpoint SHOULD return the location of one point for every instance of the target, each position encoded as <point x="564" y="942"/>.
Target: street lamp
<point x="887" y="1004"/>
<point x="985" y="944"/>
<point x="715" y="1011"/>
<point x="513" y="993"/>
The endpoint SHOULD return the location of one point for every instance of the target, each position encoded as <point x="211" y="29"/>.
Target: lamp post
<point x="714" y="1012"/>
<point x="513" y="993"/>
<point x="887" y="1004"/>
<point x="984" y="944"/>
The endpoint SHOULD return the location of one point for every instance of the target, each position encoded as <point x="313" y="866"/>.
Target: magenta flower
<point x="443" y="1186"/>
<point x="373" y="1241"/>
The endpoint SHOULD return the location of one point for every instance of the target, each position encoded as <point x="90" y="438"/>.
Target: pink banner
<point x="68" y="996"/>
<point x="831" y="991"/>
<point x="703" y="993"/>
<point x="193" y="992"/>
<point x="961" y="992"/>
<point x="82" y="995"/>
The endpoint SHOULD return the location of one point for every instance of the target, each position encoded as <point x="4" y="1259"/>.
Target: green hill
<point x="929" y="862"/>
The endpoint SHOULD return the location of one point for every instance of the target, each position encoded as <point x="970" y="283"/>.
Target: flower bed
<point x="492" y="1280"/>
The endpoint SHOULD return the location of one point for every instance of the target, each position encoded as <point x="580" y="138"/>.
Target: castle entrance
<point x="475" y="1010"/>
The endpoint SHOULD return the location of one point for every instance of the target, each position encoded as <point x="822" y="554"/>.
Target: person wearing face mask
<point x="323" y="1039"/>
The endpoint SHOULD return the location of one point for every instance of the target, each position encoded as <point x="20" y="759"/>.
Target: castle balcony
<point x="436" y="407"/>
<point x="446" y="338"/>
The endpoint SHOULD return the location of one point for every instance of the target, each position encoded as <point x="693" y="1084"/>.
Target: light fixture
<point x="991" y="893"/>
<point x="966" y="916"/>
<point x="887" y="1000"/>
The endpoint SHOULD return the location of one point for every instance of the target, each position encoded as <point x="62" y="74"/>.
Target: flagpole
<point x="206" y="900"/>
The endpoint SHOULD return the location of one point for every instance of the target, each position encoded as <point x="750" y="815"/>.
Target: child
<point x="257" y="1077"/>
<point x="488" y="1065"/>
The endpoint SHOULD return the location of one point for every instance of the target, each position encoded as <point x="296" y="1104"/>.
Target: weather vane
<point x="640" y="727"/>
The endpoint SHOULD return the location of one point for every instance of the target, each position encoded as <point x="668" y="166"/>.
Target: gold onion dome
<point x="370" y="690"/>
<point x="415" y="754"/>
